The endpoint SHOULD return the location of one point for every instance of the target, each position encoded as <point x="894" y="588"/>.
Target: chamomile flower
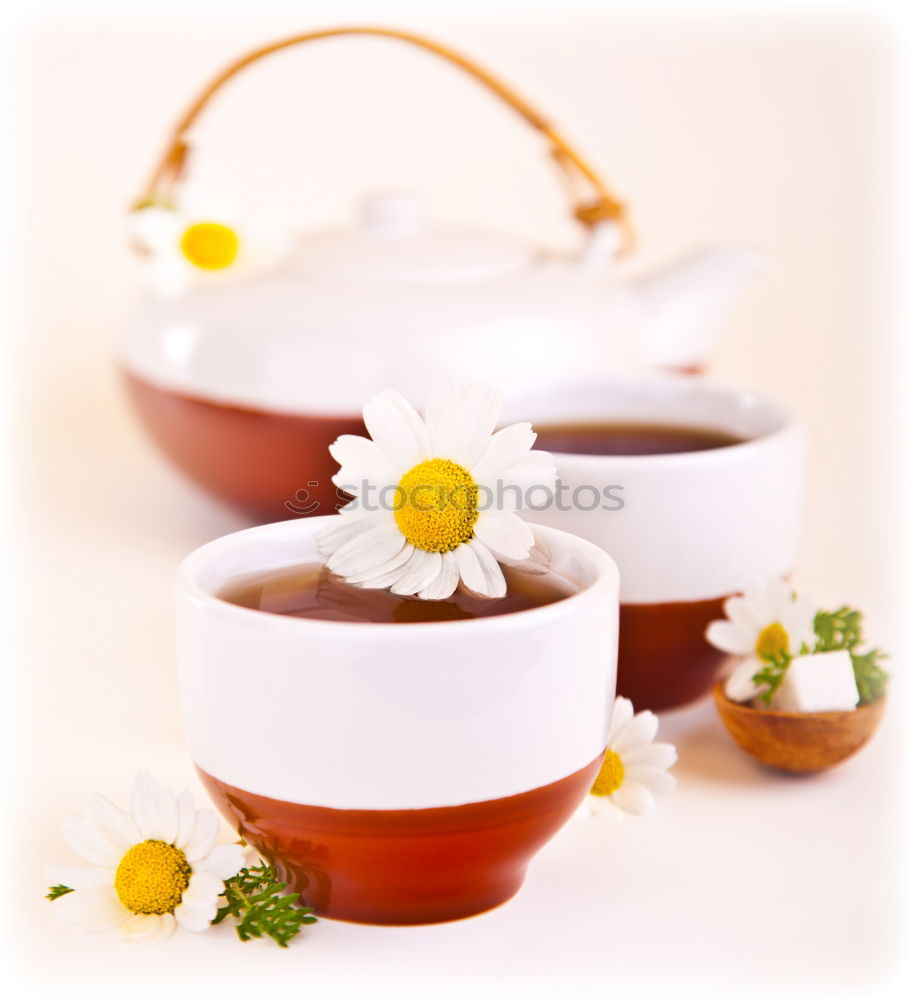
<point x="435" y="500"/>
<point x="198" y="242"/>
<point x="768" y="620"/>
<point x="634" y="772"/>
<point x="151" y="870"/>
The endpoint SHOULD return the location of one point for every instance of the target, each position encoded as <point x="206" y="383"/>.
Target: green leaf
<point x="56" y="891"/>
<point x="771" y="675"/>
<point x="841" y="629"/>
<point x="870" y="677"/>
<point x="257" y="900"/>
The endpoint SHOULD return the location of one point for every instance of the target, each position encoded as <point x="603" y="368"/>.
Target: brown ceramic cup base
<point x="255" y="460"/>
<point x="664" y="660"/>
<point x="408" y="866"/>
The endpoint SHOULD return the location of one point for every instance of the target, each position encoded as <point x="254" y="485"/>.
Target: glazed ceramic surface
<point x="693" y="528"/>
<point x="241" y="382"/>
<point x="267" y="464"/>
<point x="398" y="296"/>
<point x="487" y="731"/>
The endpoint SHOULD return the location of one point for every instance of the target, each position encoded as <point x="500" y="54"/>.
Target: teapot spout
<point x="684" y="305"/>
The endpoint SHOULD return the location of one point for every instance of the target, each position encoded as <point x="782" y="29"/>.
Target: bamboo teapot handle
<point x="591" y="199"/>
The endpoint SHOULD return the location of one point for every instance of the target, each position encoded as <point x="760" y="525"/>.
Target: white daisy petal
<point x="756" y="595"/>
<point x="369" y="549"/>
<point x="798" y="621"/>
<point x="495" y="581"/>
<point x="638" y="732"/>
<point x="742" y="614"/>
<point x="385" y="581"/>
<point x="167" y="927"/>
<point x="634" y="798"/>
<point x="361" y="462"/>
<point x="223" y="861"/>
<point x="655" y="779"/>
<point x="446" y="581"/>
<point x="538" y="559"/>
<point x="199" y="904"/>
<point x="480" y="410"/>
<point x="504" y="450"/>
<point x="387" y="568"/>
<point x="205" y="886"/>
<point x="443" y="414"/>
<point x="740" y="685"/>
<point x="530" y="481"/>
<point x="472" y="576"/>
<point x="347" y="525"/>
<point x="104" y="829"/>
<point x="205" y="830"/>
<point x="415" y="424"/>
<point x="727" y="637"/>
<point x="662" y="755"/>
<point x="79" y="876"/>
<point x="621" y="716"/>
<point x="94" y="909"/>
<point x="154" y="809"/>
<point x="186" y="819"/>
<point x="144" y="927"/>
<point x="116" y="826"/>
<point x="84" y="838"/>
<point x="505" y="534"/>
<point x="195" y="919"/>
<point x="156" y="228"/>
<point x="393" y="431"/>
<point x="418" y="572"/>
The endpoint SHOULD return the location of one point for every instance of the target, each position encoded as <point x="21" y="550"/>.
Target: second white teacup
<point x="687" y="529"/>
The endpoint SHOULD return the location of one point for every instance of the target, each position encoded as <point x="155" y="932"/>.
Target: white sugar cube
<point x="818" y="682"/>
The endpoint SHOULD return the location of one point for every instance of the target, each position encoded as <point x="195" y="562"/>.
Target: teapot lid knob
<point x="392" y="213"/>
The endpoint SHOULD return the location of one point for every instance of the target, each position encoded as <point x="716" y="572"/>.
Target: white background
<point x="764" y="127"/>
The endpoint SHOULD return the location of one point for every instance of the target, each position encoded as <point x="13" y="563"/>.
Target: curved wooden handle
<point x="589" y="207"/>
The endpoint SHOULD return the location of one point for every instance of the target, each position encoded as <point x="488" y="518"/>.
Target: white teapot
<point x="244" y="383"/>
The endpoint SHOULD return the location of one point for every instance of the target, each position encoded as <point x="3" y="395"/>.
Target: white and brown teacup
<point x="707" y="497"/>
<point x="404" y="772"/>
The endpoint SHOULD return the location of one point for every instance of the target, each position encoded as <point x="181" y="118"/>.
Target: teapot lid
<point x="394" y="243"/>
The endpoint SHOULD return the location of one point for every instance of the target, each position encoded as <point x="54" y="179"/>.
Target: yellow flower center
<point x="773" y="640"/>
<point x="436" y="505"/>
<point x="611" y="775"/>
<point x="210" y="245"/>
<point x="152" y="877"/>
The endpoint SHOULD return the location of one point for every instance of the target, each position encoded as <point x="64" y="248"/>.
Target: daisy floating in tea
<point x="436" y="501"/>
<point x="199" y="241"/>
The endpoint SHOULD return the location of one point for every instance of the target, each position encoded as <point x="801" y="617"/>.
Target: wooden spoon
<point x="801" y="742"/>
